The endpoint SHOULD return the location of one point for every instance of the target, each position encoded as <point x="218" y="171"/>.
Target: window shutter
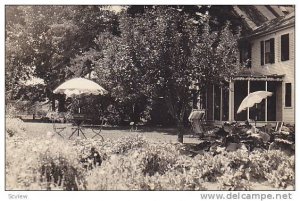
<point x="262" y="53"/>
<point x="285" y="48"/>
<point x="288" y="95"/>
<point x="272" y="58"/>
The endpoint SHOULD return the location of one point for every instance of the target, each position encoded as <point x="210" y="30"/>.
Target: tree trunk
<point x="61" y="103"/>
<point x="180" y="130"/>
<point x="180" y="122"/>
<point x="53" y="104"/>
<point x="173" y="108"/>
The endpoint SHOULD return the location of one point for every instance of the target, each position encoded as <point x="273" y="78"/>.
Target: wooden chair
<point x="58" y="129"/>
<point x="97" y="128"/>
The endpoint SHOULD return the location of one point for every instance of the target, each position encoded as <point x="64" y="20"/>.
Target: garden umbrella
<point x="79" y="87"/>
<point x="252" y="99"/>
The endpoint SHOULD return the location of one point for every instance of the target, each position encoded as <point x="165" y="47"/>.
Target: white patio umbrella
<point x="79" y="87"/>
<point x="252" y="99"/>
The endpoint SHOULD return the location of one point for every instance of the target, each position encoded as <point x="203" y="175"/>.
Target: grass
<point x="152" y="134"/>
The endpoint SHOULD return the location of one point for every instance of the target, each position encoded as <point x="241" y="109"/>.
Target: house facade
<point x="268" y="54"/>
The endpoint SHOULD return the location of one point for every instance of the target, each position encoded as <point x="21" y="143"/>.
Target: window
<point x="245" y="55"/>
<point x="267" y="51"/>
<point x="288" y="95"/>
<point x="285" y="50"/>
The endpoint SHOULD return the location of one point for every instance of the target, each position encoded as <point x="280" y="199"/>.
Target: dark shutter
<point x="272" y="56"/>
<point x="285" y="50"/>
<point x="288" y="95"/>
<point x="262" y="52"/>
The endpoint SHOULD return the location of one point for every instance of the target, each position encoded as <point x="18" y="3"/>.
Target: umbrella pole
<point x="78" y="106"/>
<point x="255" y="114"/>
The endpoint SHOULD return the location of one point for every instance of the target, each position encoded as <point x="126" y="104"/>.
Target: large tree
<point x="161" y="52"/>
<point x="41" y="41"/>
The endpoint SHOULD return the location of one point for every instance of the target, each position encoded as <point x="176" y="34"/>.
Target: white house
<point x="269" y="52"/>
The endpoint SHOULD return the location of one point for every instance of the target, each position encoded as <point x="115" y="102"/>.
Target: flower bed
<point x="133" y="163"/>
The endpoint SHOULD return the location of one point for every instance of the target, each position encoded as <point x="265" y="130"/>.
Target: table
<point x="78" y="119"/>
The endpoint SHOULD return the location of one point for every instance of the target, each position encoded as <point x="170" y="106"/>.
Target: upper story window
<point x="245" y="55"/>
<point x="267" y="51"/>
<point x="285" y="47"/>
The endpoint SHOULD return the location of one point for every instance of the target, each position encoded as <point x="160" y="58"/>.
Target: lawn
<point x="156" y="134"/>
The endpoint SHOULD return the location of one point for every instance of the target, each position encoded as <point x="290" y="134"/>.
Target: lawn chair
<point x="96" y="129"/>
<point x="197" y="119"/>
<point x="58" y="129"/>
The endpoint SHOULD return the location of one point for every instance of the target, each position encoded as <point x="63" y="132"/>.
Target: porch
<point x="221" y="102"/>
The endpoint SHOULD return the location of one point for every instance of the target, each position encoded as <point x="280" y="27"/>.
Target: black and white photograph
<point x="149" y="97"/>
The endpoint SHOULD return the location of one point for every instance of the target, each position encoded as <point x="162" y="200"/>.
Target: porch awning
<point x="259" y="79"/>
<point x="255" y="76"/>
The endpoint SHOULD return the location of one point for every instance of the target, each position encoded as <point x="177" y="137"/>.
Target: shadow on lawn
<point x="148" y="129"/>
<point x="144" y="129"/>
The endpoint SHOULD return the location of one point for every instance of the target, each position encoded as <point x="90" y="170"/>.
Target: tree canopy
<point x="42" y="40"/>
<point x="161" y="53"/>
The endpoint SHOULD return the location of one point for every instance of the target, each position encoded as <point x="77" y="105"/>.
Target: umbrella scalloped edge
<point x="267" y="93"/>
<point x="78" y="87"/>
<point x="76" y="92"/>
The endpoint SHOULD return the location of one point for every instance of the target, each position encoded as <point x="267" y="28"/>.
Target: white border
<point x="150" y="2"/>
<point x="127" y="195"/>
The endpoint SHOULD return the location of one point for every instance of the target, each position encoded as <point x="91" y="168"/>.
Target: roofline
<point x="255" y="35"/>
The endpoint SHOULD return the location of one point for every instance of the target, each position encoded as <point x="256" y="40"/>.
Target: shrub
<point x="147" y="168"/>
<point x="284" y="175"/>
<point x="233" y="180"/>
<point x="133" y="163"/>
<point x="125" y="144"/>
<point x="15" y="126"/>
<point x="35" y="164"/>
<point x="158" y="158"/>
